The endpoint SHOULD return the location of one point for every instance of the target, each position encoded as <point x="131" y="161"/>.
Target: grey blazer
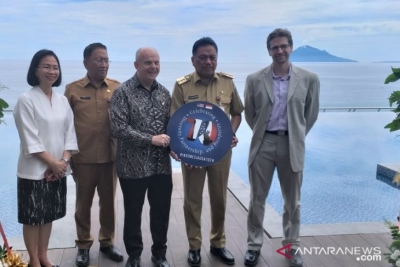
<point x="302" y="109"/>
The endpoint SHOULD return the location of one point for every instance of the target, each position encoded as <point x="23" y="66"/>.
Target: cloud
<point x="173" y="26"/>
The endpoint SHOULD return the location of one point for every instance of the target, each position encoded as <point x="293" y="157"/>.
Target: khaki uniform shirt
<point x="221" y="91"/>
<point x="92" y="121"/>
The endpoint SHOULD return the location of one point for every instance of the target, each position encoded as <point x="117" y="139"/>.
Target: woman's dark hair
<point x="31" y="77"/>
<point x="204" y="41"/>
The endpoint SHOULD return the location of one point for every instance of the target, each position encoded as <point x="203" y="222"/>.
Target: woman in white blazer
<point x="46" y="129"/>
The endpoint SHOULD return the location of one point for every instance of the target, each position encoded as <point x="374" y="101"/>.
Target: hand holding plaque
<point x="160" y="140"/>
<point x="235" y="140"/>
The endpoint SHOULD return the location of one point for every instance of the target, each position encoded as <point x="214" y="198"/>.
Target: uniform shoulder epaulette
<point x="227" y="75"/>
<point x="75" y="82"/>
<point x="112" y="80"/>
<point x="183" y="79"/>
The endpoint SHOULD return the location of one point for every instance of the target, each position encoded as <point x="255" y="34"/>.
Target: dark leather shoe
<point x="159" y="262"/>
<point x="296" y="260"/>
<point x="133" y="262"/>
<point x="82" y="258"/>
<point x="194" y="258"/>
<point x="251" y="257"/>
<point x="112" y="252"/>
<point x="223" y="255"/>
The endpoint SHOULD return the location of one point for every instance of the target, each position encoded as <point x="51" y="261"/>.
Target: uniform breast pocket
<point x="225" y="101"/>
<point x="189" y="100"/>
<point x="107" y="96"/>
<point x="84" y="103"/>
<point x="85" y="98"/>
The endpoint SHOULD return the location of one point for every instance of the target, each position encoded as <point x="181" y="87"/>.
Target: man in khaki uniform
<point x="94" y="167"/>
<point x="218" y="88"/>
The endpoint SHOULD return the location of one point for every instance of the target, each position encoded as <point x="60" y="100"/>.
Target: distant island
<point x="390" y="61"/>
<point x="308" y="53"/>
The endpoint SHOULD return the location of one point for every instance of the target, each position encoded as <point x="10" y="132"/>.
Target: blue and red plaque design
<point x="201" y="133"/>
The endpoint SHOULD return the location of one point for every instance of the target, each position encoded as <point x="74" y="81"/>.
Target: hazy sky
<point x="363" y="30"/>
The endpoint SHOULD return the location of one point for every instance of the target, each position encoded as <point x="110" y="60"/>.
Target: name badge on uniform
<point x="85" y="97"/>
<point x="193" y="96"/>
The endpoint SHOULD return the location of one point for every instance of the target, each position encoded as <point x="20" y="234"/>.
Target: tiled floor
<point x="236" y="234"/>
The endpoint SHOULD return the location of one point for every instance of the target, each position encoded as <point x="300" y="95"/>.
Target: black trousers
<point x="159" y="191"/>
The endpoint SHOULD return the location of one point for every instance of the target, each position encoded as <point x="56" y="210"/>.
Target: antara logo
<point x="360" y="253"/>
<point x="285" y="250"/>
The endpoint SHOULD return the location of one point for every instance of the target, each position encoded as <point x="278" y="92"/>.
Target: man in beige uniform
<point x="217" y="88"/>
<point x="94" y="167"/>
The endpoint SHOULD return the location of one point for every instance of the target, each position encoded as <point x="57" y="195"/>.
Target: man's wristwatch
<point x="66" y="160"/>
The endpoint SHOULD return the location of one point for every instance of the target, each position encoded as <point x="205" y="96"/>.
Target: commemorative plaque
<point x="201" y="133"/>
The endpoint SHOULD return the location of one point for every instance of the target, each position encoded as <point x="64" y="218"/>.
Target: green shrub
<point x="3" y="103"/>
<point x="394" y="98"/>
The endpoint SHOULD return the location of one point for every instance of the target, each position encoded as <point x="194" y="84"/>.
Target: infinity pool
<point x="339" y="186"/>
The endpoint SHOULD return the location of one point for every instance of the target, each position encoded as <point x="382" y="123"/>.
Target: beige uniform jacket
<point x="92" y="121"/>
<point x="221" y="91"/>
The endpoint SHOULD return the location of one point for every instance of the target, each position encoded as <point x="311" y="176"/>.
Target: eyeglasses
<point x="49" y="68"/>
<point x="282" y="47"/>
<point x="102" y="60"/>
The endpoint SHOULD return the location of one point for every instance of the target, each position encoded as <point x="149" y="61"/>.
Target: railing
<point x="348" y="109"/>
<point x="354" y="109"/>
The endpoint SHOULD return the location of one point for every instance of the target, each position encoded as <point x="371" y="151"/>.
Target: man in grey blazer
<point x="281" y="106"/>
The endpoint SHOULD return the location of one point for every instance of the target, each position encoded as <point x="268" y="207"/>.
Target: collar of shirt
<point x="284" y="78"/>
<point x="138" y="84"/>
<point x="197" y="78"/>
<point x="86" y="81"/>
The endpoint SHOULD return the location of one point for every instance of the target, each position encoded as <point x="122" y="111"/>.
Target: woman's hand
<point x="59" y="169"/>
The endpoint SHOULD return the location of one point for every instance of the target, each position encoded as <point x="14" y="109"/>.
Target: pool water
<point x="339" y="185"/>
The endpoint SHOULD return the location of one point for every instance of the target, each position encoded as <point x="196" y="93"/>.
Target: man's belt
<point x="280" y="132"/>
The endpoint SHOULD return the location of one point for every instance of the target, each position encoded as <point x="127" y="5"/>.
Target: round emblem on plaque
<point x="201" y="133"/>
